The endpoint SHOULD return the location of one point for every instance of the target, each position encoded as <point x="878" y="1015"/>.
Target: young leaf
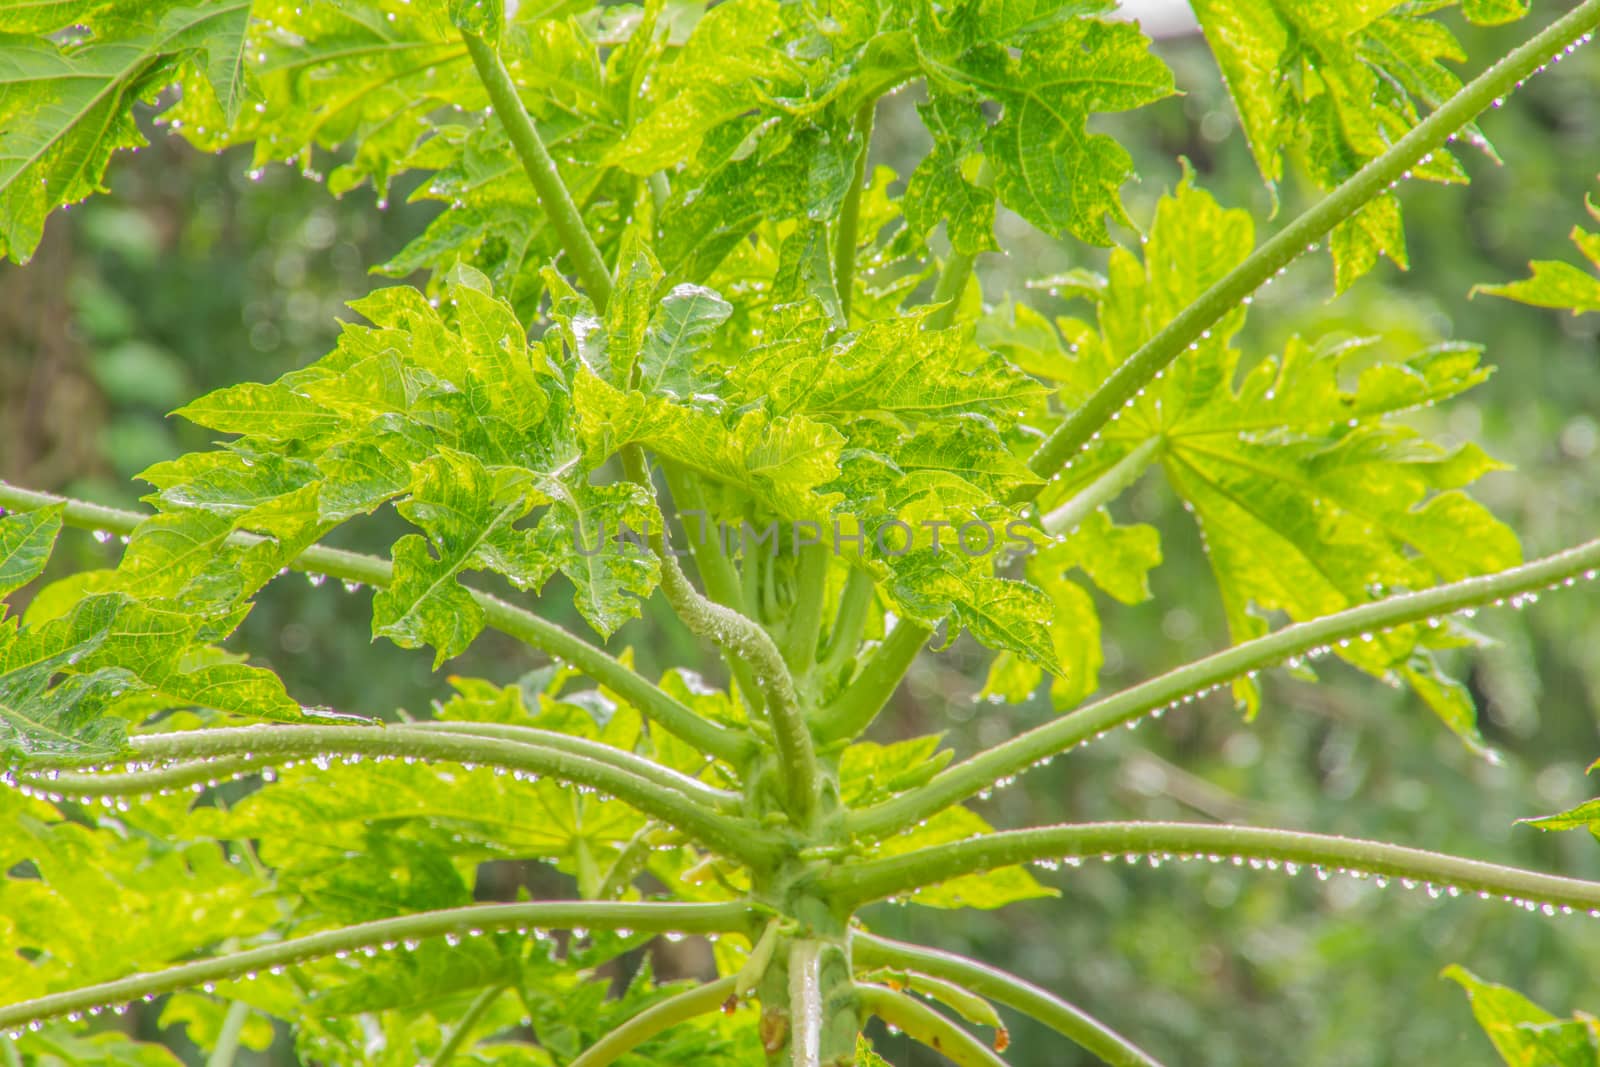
<point x="1048" y="167"/>
<point x="26" y="539"/>
<point x="1525" y="1034"/>
<point x="783" y="462"/>
<point x="468" y="520"/>
<point x="65" y="109"/>
<point x="1345" y="81"/>
<point x="1556" y="284"/>
<point x="679" y="328"/>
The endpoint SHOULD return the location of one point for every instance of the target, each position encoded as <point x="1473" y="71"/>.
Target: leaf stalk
<point x="388" y="935"/>
<point x="1065" y="1019"/>
<point x="869" y="880"/>
<point x="1028" y="749"/>
<point x="926" y="1026"/>
<point x="681" y="1007"/>
<point x="541" y="169"/>
<point x="721" y="833"/>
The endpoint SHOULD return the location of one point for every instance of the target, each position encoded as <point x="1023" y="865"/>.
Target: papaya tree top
<point x="673" y="348"/>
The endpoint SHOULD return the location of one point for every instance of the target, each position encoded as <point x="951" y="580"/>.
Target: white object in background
<point x="1160" y="18"/>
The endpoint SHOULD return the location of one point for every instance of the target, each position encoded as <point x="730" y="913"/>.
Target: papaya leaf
<point x="1558" y="284"/>
<point x="1343" y="82"/>
<point x="26" y="539"/>
<point x="1352" y="502"/>
<point x="1525" y="1034"/>
<point x="66" y="108"/>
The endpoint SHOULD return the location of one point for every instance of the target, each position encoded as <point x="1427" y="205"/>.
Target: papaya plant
<point x="676" y="346"/>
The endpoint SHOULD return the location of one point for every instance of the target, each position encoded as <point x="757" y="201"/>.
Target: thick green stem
<point x="922" y="1024"/>
<point x="856" y="884"/>
<point x="717" y="572"/>
<point x="861" y="701"/>
<point x="805" y="1003"/>
<point x="1044" y="742"/>
<point x="721" y="833"/>
<point x="845" y="633"/>
<point x="1102" y="490"/>
<point x="693" y="788"/>
<point x="669" y="713"/>
<point x="1365" y="186"/>
<point x="804" y="631"/>
<point x="1065" y="1019"/>
<point x="558" y="207"/>
<point x="386" y="935"/>
<point x="748" y="640"/>
<point x="463" y="1032"/>
<point x="846" y="235"/>
<point x="228" y="1036"/>
<point x="690" y="1004"/>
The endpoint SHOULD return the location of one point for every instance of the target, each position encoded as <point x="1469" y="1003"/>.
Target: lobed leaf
<point x="1336" y="84"/>
<point x="1310" y="495"/>
<point x="1525" y="1034"/>
<point x="26" y="539"/>
<point x="1556" y="284"/>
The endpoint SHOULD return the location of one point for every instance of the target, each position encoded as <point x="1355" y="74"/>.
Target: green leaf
<point x="1493" y="12"/>
<point x="899" y="370"/>
<point x="593" y="534"/>
<point x="783" y="462"/>
<point x="870" y="772"/>
<point x="1555" y="284"/>
<point x="422" y="828"/>
<point x="678" y="330"/>
<point x="106" y="1049"/>
<point x="65" y="109"/>
<point x="940" y="189"/>
<point x="1048" y="167"/>
<point x="158" y="897"/>
<point x="26" y="539"/>
<point x="865" y="1057"/>
<point x="468" y="520"/>
<point x="1311" y="494"/>
<point x="1338" y="84"/>
<point x="202" y="1017"/>
<point x="362" y="73"/>
<point x="999" y="612"/>
<point x="1525" y="1034"/>
<point x="1586" y="814"/>
<point x="717" y="76"/>
<point x="48" y="16"/>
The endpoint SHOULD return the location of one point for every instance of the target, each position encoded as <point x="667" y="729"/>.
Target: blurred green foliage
<point x="196" y="274"/>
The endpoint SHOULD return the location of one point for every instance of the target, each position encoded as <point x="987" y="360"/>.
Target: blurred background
<point x="195" y="274"/>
